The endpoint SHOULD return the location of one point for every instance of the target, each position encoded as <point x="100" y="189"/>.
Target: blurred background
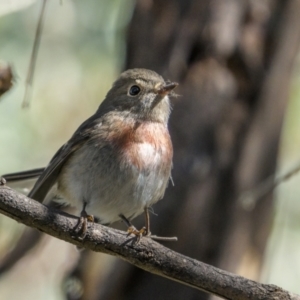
<point x="234" y="127"/>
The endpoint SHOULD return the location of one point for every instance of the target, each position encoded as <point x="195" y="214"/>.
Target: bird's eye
<point x="134" y="90"/>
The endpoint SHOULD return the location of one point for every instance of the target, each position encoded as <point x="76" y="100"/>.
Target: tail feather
<point x="24" y="175"/>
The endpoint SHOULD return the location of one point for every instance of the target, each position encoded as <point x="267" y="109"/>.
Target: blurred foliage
<point x="81" y="52"/>
<point x="9" y="6"/>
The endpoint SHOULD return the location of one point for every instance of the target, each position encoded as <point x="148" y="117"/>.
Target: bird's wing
<point x="51" y="172"/>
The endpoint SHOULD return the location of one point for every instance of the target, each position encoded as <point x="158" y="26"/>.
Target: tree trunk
<point x="233" y="60"/>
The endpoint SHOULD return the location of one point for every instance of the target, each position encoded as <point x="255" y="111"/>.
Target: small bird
<point x="118" y="162"/>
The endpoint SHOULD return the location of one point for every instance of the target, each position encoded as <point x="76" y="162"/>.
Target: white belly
<point x="111" y="186"/>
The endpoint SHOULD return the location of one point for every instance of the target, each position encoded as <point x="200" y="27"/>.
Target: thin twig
<point x="33" y="58"/>
<point x="252" y="196"/>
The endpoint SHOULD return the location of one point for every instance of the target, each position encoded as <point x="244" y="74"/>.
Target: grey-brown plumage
<point x="118" y="162"/>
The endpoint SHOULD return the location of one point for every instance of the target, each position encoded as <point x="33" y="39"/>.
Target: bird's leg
<point x="132" y="230"/>
<point x="128" y="223"/>
<point x="81" y="227"/>
<point x="131" y="227"/>
<point x="147" y="222"/>
<point x="145" y="231"/>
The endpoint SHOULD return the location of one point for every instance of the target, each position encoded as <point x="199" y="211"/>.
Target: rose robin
<point x="118" y="162"/>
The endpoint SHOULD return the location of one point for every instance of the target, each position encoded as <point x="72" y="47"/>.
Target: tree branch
<point x="6" y="78"/>
<point x="147" y="254"/>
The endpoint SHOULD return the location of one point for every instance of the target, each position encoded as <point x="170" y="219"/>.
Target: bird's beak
<point x="167" y="88"/>
<point x="163" y="91"/>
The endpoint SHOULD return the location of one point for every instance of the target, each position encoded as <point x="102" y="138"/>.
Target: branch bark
<point x="147" y="254"/>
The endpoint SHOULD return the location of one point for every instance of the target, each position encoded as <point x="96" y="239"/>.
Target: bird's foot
<point x="81" y="227"/>
<point x="138" y="233"/>
<point x="147" y="234"/>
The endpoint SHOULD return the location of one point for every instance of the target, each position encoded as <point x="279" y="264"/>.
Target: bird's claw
<point x="81" y="227"/>
<point x="138" y="233"/>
